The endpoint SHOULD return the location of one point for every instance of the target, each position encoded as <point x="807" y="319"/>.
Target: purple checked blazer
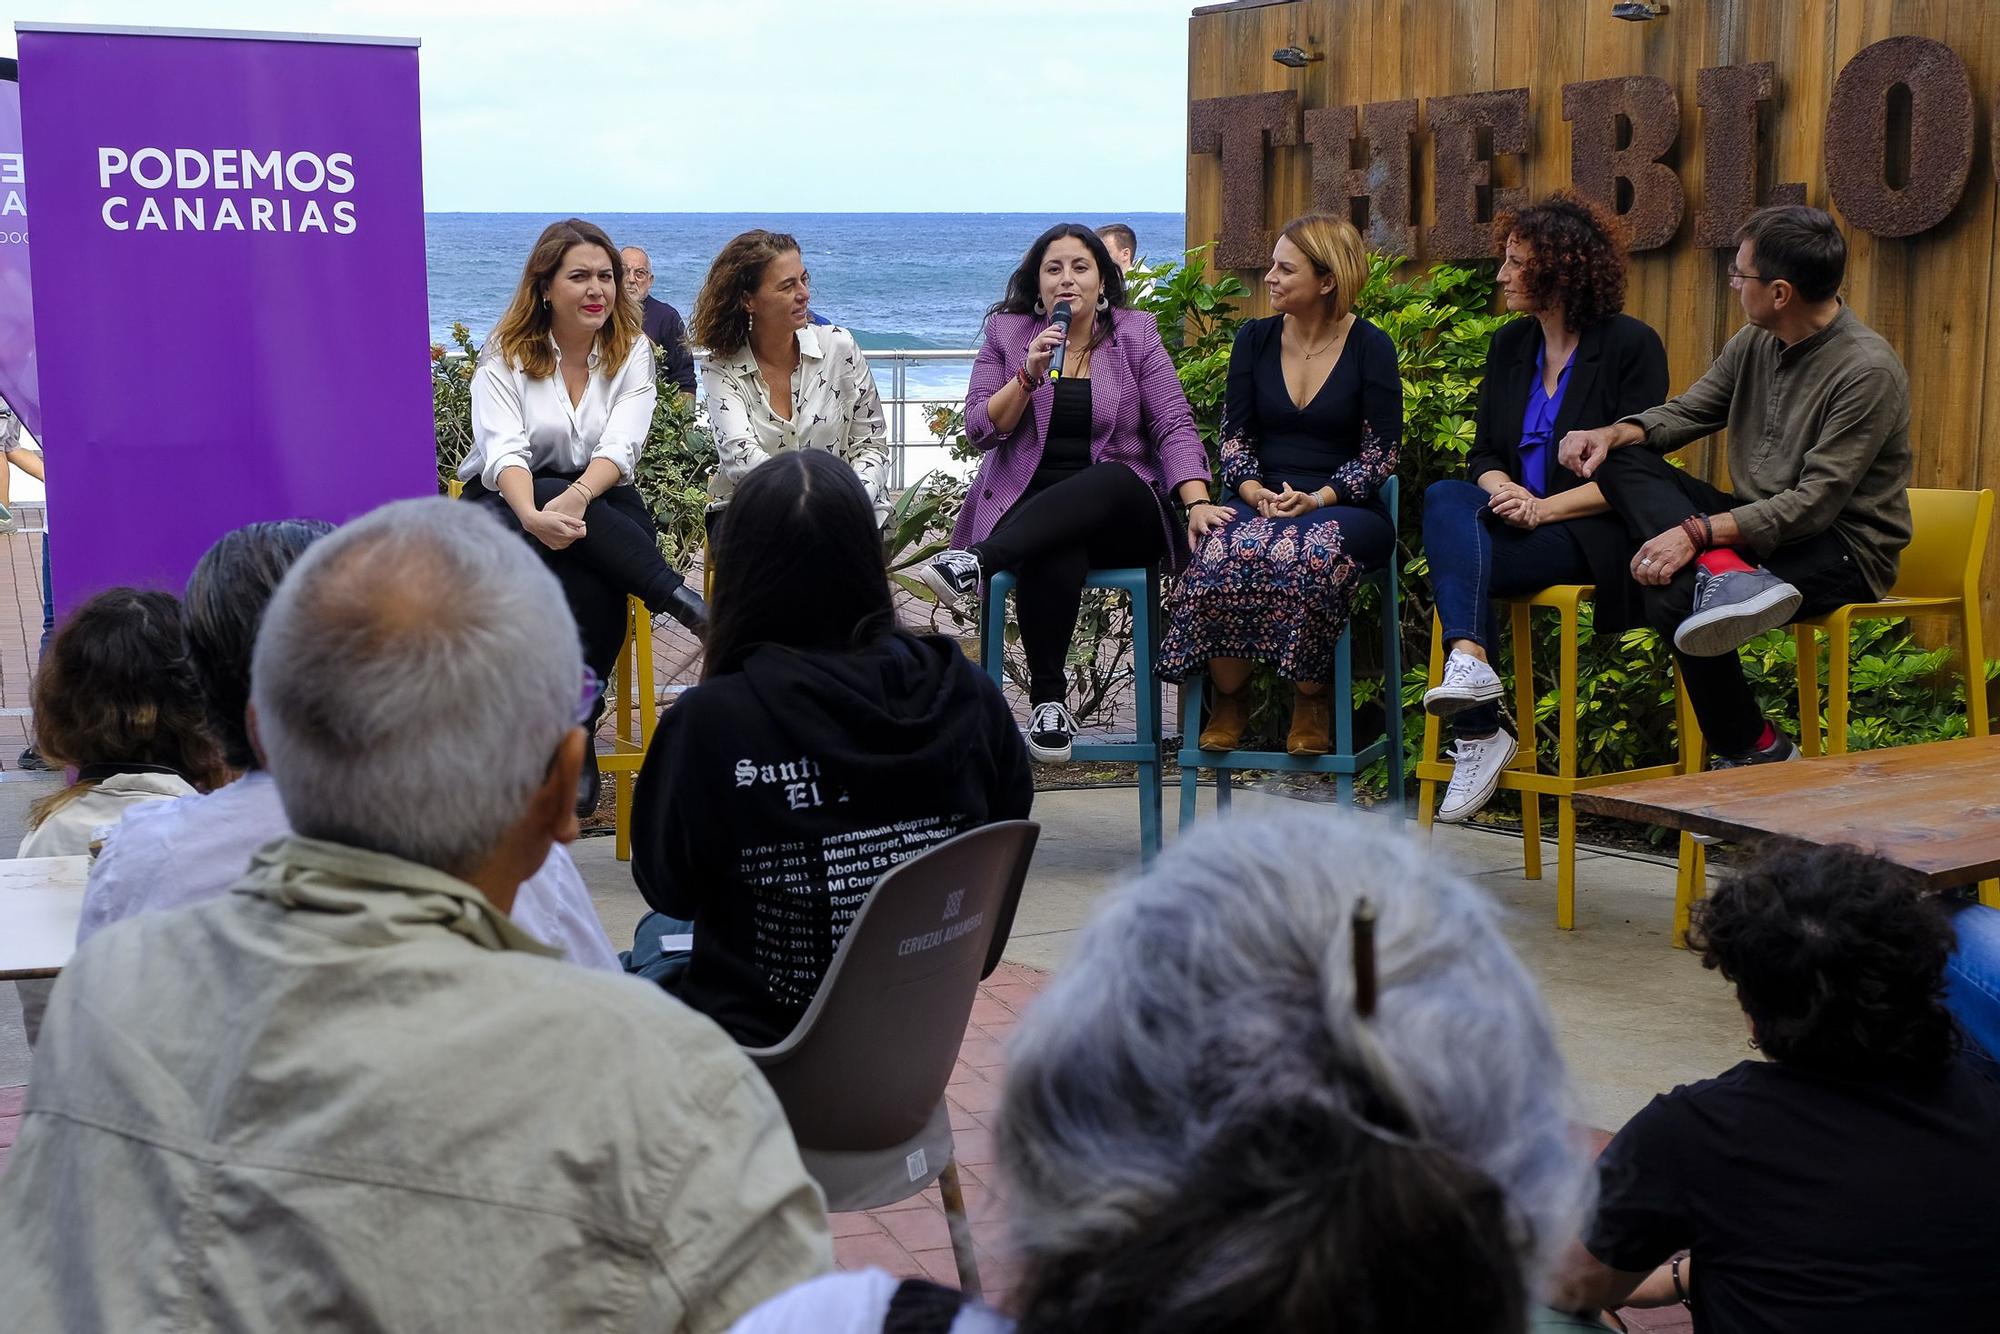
<point x="1138" y="417"/>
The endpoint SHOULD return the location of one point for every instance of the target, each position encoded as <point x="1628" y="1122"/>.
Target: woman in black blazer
<point x="1524" y="521"/>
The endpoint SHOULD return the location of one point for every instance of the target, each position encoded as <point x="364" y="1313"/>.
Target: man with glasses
<point x="661" y="321"/>
<point x="1817" y="406"/>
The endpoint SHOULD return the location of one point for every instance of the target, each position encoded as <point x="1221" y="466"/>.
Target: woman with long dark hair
<point x="1519" y="521"/>
<point x="1079" y="469"/>
<point x="562" y="401"/>
<point x="822" y="741"/>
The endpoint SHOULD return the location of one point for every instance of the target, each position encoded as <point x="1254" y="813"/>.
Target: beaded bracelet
<point x="1699" y="531"/>
<point x="1028" y="385"/>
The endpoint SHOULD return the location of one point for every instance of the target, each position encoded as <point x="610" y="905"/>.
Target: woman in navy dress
<point x="1311" y="424"/>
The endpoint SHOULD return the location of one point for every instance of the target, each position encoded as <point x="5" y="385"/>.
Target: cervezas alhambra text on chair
<point x="862" y="1077"/>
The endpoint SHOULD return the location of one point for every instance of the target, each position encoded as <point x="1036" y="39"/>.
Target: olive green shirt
<point x="353" y="1096"/>
<point x="1819" y="438"/>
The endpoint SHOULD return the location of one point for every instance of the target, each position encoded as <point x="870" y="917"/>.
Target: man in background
<point x="1122" y="242"/>
<point x="661" y="321"/>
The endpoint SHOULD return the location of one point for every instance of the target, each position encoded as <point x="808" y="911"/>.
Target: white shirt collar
<point x="596" y="353"/>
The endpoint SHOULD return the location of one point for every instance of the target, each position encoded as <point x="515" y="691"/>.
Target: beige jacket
<point x="353" y="1096"/>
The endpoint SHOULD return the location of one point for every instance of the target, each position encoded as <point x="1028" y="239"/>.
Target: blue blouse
<point x="1538" y="423"/>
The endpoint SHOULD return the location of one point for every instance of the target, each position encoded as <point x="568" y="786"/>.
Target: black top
<point x="1346" y="436"/>
<point x="774" y="797"/>
<point x="1619" y="367"/>
<point x="1068" y="448"/>
<point x="663" y="326"/>
<point x="1814" y="1203"/>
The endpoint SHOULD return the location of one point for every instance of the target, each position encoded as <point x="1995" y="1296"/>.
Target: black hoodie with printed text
<point x="774" y="797"/>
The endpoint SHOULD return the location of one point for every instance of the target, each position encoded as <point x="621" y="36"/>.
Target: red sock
<point x="1766" y="738"/>
<point x="1721" y="560"/>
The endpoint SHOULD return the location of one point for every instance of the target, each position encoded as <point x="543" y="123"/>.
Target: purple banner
<point x="17" y="321"/>
<point x="229" y="288"/>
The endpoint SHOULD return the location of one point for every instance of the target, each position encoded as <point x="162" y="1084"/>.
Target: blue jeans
<point x="648" y="960"/>
<point x="1972" y="984"/>
<point x="1475" y="558"/>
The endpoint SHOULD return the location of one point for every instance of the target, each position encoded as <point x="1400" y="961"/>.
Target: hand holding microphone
<point x="1060" y="321"/>
<point x="1045" y="352"/>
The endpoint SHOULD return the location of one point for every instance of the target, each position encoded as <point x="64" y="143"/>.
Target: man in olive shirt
<point x="1818" y="411"/>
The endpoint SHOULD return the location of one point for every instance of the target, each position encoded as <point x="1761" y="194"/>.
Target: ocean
<point x="898" y="280"/>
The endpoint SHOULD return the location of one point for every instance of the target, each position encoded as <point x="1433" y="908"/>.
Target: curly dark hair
<point x="1838" y="959"/>
<point x="118" y="686"/>
<point x="720" y="323"/>
<point x="1576" y="256"/>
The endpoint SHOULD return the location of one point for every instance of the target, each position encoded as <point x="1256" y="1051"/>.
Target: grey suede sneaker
<point x="1780" y="750"/>
<point x="1732" y="608"/>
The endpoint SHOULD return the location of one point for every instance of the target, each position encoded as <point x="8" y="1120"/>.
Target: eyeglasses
<point x="1737" y="276"/>
<point x="1362" y="928"/>
<point x="640" y="273"/>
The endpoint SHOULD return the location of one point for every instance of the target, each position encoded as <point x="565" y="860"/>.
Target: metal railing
<point x="895" y="400"/>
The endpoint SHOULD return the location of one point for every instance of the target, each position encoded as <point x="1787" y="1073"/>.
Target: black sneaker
<point x="1780" y="750"/>
<point x="1051" y="729"/>
<point x="31" y="759"/>
<point x="954" y="576"/>
<point x="1732" y="608"/>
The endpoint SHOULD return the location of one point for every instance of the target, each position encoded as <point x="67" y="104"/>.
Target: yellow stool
<point x="1525" y="774"/>
<point x="1938" y="576"/>
<point x="629" y="697"/>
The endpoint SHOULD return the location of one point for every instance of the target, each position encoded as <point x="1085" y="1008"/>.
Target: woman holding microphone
<point x="1079" y="467"/>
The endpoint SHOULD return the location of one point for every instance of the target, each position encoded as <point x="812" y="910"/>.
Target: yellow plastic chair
<point x="1938" y="576"/>
<point x="629" y="700"/>
<point x="1525" y="775"/>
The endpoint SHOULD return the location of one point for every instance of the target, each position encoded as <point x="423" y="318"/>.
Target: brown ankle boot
<point x="1228" y="715"/>
<point x="1310" y="716"/>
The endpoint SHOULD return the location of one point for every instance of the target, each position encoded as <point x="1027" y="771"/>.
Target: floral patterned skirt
<point x="1273" y="590"/>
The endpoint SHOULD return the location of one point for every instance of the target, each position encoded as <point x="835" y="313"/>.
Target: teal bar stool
<point x="1143" y="587"/>
<point x="1343" y="761"/>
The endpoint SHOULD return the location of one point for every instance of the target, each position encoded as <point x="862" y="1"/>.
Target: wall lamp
<point x="1296" y="57"/>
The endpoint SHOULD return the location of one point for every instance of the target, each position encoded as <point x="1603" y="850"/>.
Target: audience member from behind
<point x="1224" y="1116"/>
<point x="353" y="1091"/>
<point x="117" y="700"/>
<point x="823" y="746"/>
<point x="1844" y="1183"/>
<point x="194" y="849"/>
<point x="660" y="322"/>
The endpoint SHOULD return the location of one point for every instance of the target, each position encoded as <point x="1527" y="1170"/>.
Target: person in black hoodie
<point x="823" y="746"/>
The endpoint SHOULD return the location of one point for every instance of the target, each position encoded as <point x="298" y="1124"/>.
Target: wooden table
<point x="41" y="900"/>
<point x="1934" y="808"/>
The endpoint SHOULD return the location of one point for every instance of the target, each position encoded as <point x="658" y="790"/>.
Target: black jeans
<point x="1651" y="495"/>
<point x="619" y="556"/>
<point x="1104" y="517"/>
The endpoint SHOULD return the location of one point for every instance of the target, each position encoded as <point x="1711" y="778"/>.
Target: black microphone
<point x="1061" y="320"/>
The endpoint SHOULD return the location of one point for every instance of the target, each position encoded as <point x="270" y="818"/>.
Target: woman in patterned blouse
<point x="773" y="380"/>
<point x="1311" y="423"/>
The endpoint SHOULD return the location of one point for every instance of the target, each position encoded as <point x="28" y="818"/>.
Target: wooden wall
<point x="1931" y="295"/>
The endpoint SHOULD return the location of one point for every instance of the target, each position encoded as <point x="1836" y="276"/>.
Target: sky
<point x="764" y="105"/>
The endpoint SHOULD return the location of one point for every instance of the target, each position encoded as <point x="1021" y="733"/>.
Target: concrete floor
<point x="1635" y="1015"/>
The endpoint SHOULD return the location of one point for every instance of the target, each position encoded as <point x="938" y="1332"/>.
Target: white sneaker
<point x="1477" y="763"/>
<point x="952" y="575"/>
<point x="1051" y="729"/>
<point x="1467" y="682"/>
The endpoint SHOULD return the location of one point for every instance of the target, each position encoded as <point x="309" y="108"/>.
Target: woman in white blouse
<point x="561" y="402"/>
<point x="773" y="380"/>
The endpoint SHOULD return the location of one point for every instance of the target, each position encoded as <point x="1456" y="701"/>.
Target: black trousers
<point x="619" y="556"/>
<point x="1104" y="517"/>
<point x="1651" y="495"/>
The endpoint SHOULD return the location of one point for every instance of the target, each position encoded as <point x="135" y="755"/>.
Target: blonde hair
<point x="1335" y="249"/>
<point x="522" y="335"/>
